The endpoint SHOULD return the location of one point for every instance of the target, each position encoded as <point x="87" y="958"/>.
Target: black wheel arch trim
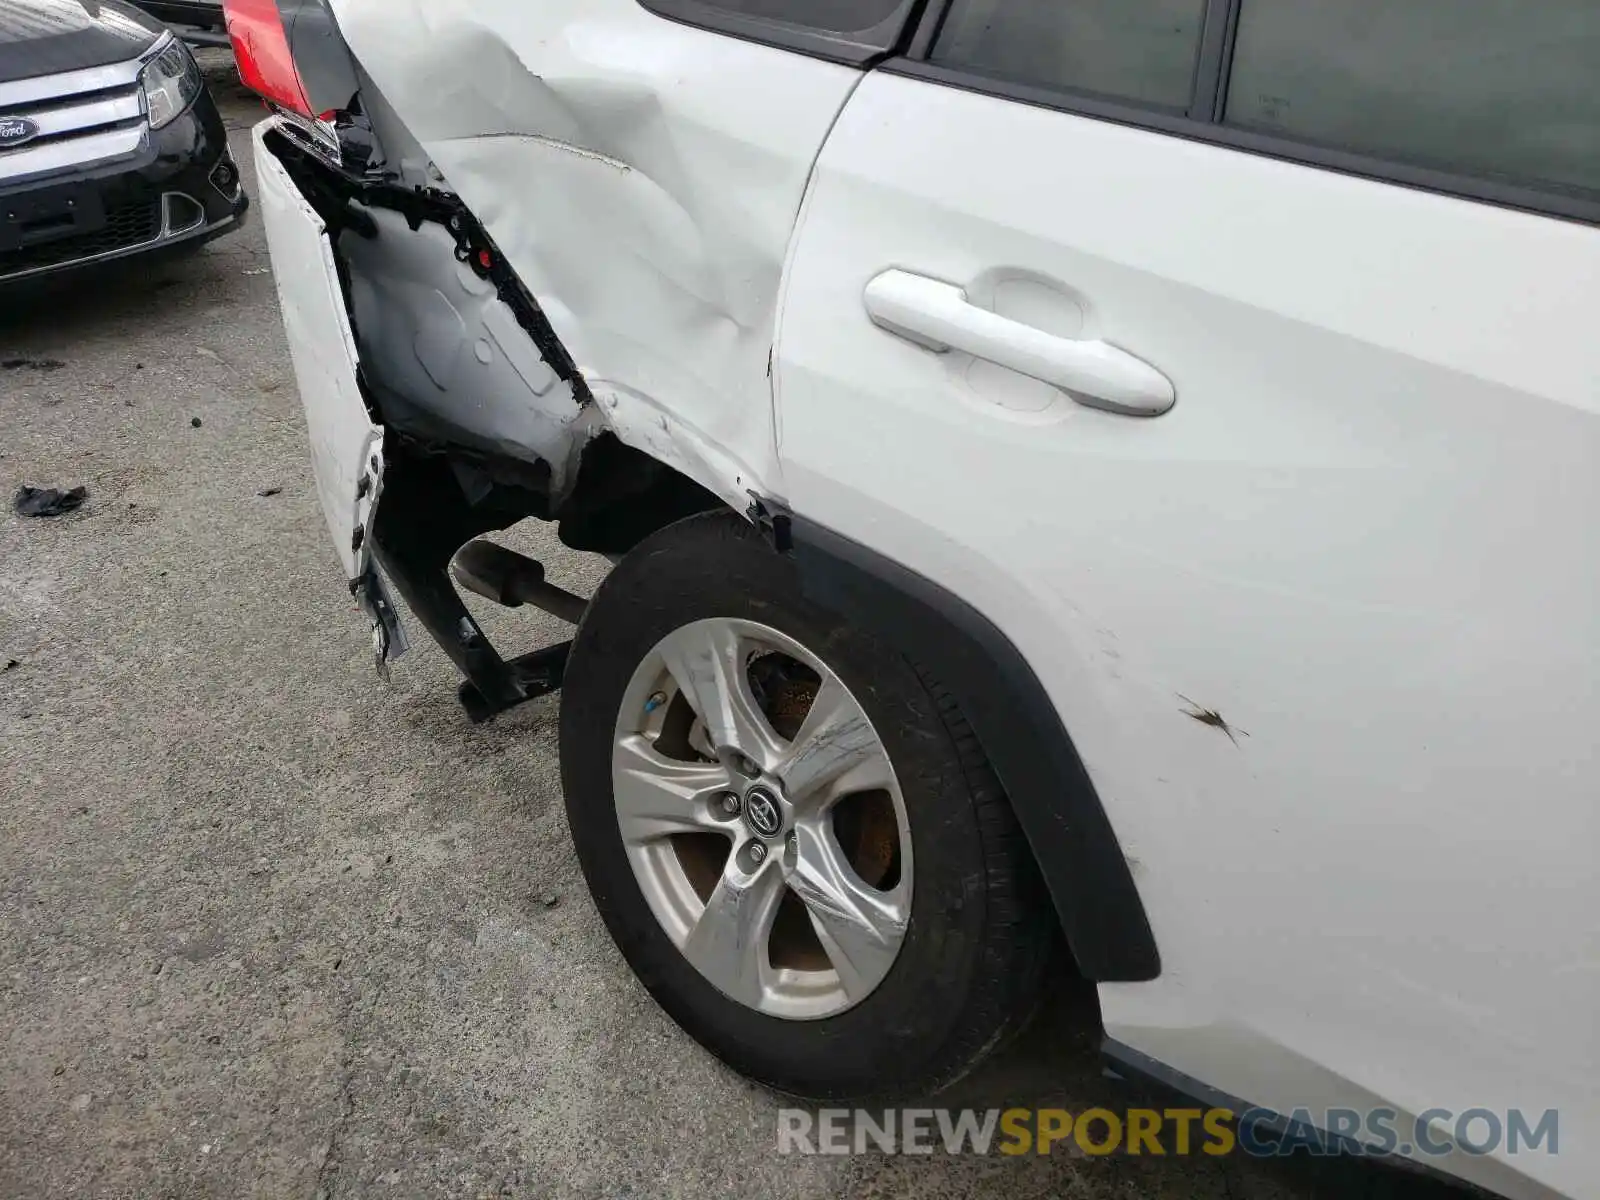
<point x="1084" y="868"/>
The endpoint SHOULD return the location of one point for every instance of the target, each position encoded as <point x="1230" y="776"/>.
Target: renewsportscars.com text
<point x="1167" y="1131"/>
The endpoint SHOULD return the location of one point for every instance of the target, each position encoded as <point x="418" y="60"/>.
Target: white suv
<point x="1122" y="471"/>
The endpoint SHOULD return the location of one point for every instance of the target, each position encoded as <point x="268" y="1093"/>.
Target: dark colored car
<point x="204" y="13"/>
<point x="110" y="145"/>
<point x="197" y="22"/>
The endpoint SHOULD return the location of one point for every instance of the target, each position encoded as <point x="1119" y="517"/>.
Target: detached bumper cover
<point x="390" y="499"/>
<point x="346" y="444"/>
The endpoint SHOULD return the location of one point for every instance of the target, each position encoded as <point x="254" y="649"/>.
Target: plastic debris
<point x="47" y="502"/>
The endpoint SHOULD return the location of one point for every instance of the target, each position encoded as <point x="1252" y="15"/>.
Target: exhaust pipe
<point x="512" y="580"/>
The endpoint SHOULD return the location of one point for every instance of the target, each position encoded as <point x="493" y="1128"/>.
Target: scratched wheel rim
<point x="762" y="818"/>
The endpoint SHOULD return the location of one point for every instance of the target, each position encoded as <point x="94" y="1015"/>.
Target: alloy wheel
<point x="762" y="818"/>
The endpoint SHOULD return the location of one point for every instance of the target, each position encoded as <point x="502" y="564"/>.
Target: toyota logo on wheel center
<point x="762" y="813"/>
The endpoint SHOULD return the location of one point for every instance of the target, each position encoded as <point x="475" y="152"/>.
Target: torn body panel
<point x="428" y="371"/>
<point x="447" y="354"/>
<point x="642" y="179"/>
<point x="557" y="239"/>
<point x="346" y="444"/>
<point x="453" y="349"/>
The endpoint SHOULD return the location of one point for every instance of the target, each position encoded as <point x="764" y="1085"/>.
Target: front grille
<point x="71" y="115"/>
<point x="87" y="116"/>
<point x="127" y="225"/>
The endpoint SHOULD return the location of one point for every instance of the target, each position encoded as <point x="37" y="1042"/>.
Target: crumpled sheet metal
<point x="642" y="177"/>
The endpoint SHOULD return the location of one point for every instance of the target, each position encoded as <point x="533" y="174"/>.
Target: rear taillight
<point x="261" y="48"/>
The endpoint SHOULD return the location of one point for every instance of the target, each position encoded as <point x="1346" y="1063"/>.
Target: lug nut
<point x="758" y="852"/>
<point x="730" y="804"/>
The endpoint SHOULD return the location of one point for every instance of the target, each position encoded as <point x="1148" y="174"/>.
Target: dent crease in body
<point x="641" y="184"/>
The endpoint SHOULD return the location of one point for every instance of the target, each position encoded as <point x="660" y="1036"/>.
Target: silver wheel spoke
<point x="835" y="751"/>
<point x="728" y="945"/>
<point x="719" y="900"/>
<point x="706" y="660"/>
<point x="859" y="927"/>
<point x="657" y="796"/>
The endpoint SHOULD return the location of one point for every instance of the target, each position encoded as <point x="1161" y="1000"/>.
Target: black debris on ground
<point x="270" y="491"/>
<point x="47" y="502"/>
<point x="195" y="421"/>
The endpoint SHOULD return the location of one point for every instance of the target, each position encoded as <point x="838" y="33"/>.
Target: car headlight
<point x="171" y="80"/>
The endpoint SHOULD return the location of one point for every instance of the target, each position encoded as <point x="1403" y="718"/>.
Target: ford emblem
<point x="17" y="131"/>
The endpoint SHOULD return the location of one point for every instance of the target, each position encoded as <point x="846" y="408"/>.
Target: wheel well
<point x="623" y="495"/>
<point x="619" y="496"/>
<point x="1073" y="843"/>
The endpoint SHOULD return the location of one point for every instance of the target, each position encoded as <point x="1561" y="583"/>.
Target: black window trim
<point x="1203" y="121"/>
<point x="861" y="49"/>
<point x="1216" y="59"/>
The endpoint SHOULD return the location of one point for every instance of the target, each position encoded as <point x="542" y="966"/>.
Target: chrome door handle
<point x="938" y="316"/>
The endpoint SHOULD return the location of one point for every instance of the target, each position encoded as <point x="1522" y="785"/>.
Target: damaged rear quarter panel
<point x="642" y="177"/>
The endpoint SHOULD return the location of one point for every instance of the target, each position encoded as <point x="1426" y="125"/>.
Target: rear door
<point x="1238" y="360"/>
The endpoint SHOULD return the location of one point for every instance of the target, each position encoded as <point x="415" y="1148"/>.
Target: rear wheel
<point x="791" y="833"/>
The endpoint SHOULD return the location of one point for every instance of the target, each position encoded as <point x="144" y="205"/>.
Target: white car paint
<point x="1365" y="535"/>
<point x="643" y="179"/>
<point x="345" y="443"/>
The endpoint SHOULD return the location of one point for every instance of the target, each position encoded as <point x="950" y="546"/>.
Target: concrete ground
<point x="269" y="927"/>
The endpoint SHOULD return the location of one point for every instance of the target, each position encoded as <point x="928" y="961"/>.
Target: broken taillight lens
<point x="261" y="48"/>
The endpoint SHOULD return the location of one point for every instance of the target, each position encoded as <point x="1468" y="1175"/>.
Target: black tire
<point x="978" y="941"/>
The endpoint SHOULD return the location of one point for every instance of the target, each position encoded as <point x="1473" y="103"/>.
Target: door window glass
<point x="1507" y="88"/>
<point x="1138" y="50"/>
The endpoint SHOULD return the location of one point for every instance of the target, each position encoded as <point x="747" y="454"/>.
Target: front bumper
<point x="180" y="188"/>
